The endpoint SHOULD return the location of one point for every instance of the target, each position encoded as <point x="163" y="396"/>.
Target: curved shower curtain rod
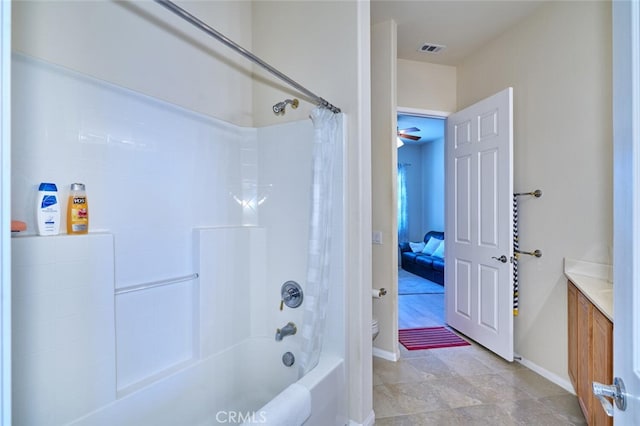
<point x="244" y="52"/>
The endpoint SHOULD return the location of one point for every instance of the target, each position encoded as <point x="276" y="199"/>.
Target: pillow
<point x="439" y="252"/>
<point x="416" y="247"/>
<point x="431" y="246"/>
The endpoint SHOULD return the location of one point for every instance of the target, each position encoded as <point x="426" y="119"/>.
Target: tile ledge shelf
<point x="594" y="281"/>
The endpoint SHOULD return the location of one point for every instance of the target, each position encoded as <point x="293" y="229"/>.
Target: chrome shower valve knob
<point x="292" y="295"/>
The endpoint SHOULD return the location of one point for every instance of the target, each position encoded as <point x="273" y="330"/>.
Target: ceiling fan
<point x="404" y="133"/>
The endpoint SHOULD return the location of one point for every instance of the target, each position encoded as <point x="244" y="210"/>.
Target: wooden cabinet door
<point x="583" y="373"/>
<point x="601" y="363"/>
<point x="590" y="353"/>
<point x="572" y="312"/>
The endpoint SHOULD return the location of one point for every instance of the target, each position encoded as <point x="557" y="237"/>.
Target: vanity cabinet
<point x="572" y="312"/>
<point x="590" y="353"/>
<point x="602" y="350"/>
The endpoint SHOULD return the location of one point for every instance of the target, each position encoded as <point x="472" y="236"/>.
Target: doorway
<point x="420" y="210"/>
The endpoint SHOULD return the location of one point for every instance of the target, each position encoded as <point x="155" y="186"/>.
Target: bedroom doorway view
<point x="420" y="221"/>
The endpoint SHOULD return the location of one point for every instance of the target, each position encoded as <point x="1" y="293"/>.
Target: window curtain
<point x="403" y="215"/>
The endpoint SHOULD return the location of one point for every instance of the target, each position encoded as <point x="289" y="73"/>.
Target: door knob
<point x="502" y="258"/>
<point x="616" y="391"/>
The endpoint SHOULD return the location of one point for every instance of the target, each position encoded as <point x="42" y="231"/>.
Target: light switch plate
<point x="377" y="237"/>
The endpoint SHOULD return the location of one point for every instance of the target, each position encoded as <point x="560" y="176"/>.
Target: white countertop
<point x="594" y="281"/>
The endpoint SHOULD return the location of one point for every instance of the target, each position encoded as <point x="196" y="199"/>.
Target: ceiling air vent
<point x="431" y="48"/>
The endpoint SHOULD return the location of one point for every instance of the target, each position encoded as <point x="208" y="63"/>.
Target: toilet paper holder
<point x="378" y="292"/>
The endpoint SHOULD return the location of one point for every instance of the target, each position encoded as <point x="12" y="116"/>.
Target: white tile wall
<point x="286" y="211"/>
<point x="231" y="264"/>
<point x="155" y="331"/>
<point x="153" y="171"/>
<point x="63" y="327"/>
<point x="285" y="215"/>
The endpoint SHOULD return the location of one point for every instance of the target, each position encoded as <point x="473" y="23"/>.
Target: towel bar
<point x="537" y="193"/>
<point x="155" y="284"/>
<point x="536" y="253"/>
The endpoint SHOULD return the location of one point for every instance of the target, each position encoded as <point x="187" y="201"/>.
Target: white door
<point x="626" y="207"/>
<point x="479" y="224"/>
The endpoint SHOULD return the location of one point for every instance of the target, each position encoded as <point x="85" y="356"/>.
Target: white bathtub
<point x="312" y="400"/>
<point x="231" y="387"/>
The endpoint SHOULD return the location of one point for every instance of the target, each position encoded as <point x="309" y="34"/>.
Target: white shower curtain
<point x="326" y="132"/>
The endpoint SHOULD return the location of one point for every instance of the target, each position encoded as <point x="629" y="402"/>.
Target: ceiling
<point x="463" y="26"/>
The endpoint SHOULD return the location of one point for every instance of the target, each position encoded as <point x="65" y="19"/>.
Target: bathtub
<point x="235" y="386"/>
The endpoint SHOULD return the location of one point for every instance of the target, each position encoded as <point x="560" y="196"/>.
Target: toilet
<point x="374" y="329"/>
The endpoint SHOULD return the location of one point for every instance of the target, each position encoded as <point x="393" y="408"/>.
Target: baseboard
<point x="552" y="377"/>
<point x="389" y="356"/>
<point x="369" y="421"/>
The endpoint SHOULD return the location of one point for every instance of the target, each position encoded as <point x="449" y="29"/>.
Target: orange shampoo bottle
<point x="77" y="210"/>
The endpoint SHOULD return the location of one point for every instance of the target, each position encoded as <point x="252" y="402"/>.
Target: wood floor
<point x="419" y="310"/>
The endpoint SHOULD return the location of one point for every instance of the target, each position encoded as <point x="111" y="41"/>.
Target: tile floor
<point x="466" y="386"/>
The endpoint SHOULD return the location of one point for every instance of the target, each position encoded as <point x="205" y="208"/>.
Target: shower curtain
<point x="326" y="131"/>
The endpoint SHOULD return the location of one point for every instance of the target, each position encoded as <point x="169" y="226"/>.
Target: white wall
<point x="559" y="64"/>
<point x="295" y="37"/>
<point x="433" y="185"/>
<point x="426" y="86"/>
<point x="146" y="48"/>
<point x="384" y="180"/>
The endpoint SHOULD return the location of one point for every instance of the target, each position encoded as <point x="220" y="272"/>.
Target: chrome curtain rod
<point x="244" y="52"/>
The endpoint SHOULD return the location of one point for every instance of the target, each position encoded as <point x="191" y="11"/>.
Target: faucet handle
<point x="291" y="293"/>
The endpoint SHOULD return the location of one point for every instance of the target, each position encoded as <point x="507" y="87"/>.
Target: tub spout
<point x="288" y="330"/>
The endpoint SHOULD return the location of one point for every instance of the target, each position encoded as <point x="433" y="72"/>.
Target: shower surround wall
<point x="160" y="179"/>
